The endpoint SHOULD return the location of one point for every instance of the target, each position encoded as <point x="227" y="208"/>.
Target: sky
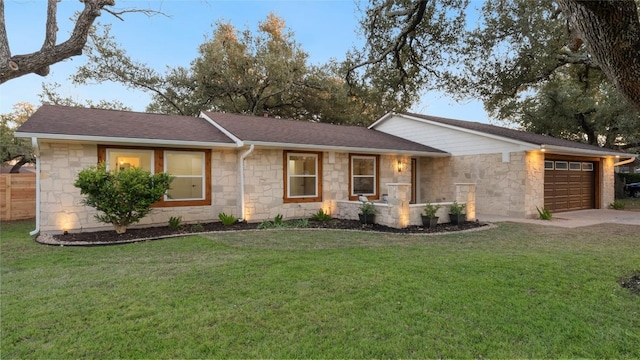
<point x="325" y="29"/>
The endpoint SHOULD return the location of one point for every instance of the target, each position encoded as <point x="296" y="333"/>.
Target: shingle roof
<point x="518" y="135"/>
<point x="285" y="131"/>
<point x="81" y="122"/>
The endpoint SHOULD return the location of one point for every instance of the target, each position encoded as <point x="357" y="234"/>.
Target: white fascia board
<point x="384" y="118"/>
<point x="561" y="150"/>
<point x="234" y="138"/>
<point x="128" y="141"/>
<point x="525" y="145"/>
<point x="344" y="149"/>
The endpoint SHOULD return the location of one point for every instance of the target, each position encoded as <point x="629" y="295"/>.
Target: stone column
<point x="399" y="198"/>
<point x="466" y="193"/>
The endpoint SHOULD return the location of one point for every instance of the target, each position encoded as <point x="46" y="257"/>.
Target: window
<point x="575" y="166"/>
<point x="187" y="168"/>
<point x="562" y="165"/>
<point x="191" y="170"/>
<point x="121" y="159"/>
<point x="587" y="166"/>
<point x="363" y="179"/>
<point x="548" y="165"/>
<point x="302" y="177"/>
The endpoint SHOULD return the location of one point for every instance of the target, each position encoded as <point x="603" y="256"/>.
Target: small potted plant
<point x="457" y="214"/>
<point x="429" y="219"/>
<point x="367" y="213"/>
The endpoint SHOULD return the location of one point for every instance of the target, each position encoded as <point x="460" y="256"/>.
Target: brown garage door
<point x="569" y="185"/>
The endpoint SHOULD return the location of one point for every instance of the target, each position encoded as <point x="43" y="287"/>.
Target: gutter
<point x="241" y="168"/>
<point x="36" y="151"/>
<point x="630" y="160"/>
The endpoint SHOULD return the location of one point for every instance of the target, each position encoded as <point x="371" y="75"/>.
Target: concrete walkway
<point x="573" y="219"/>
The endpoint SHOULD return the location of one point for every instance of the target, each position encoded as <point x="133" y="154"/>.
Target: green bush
<point x="123" y="197"/>
<point x="545" y="214"/>
<point x="617" y="205"/>
<point x="629" y="178"/>
<point x="457" y="209"/>
<point x="227" y="219"/>
<point x="321" y="216"/>
<point x="175" y="222"/>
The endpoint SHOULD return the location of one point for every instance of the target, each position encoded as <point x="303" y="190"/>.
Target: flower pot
<point x="457" y="219"/>
<point x="367" y="218"/>
<point x="429" y="222"/>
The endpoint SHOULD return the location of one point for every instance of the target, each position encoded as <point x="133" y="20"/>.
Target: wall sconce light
<point x="542" y="148"/>
<point x="400" y="166"/>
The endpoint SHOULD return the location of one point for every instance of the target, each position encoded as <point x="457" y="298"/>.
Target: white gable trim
<point x="390" y="115"/>
<point x="235" y="139"/>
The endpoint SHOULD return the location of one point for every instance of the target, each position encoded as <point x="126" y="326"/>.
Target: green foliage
<point x="457" y="209"/>
<point x="227" y="219"/>
<point x="123" y="197"/>
<point x="617" y="205"/>
<point x="278" y="219"/>
<point x="320" y="215"/>
<point x="278" y="223"/>
<point x="544" y="214"/>
<point x="367" y="208"/>
<point x="175" y="222"/>
<point x="629" y="177"/>
<point x="430" y="210"/>
<point x="197" y="227"/>
<point x="513" y="294"/>
<point x="12" y="148"/>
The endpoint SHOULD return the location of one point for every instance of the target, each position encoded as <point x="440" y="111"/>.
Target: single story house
<point x="256" y="167"/>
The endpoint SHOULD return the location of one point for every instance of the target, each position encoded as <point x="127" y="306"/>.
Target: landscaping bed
<point x="140" y="234"/>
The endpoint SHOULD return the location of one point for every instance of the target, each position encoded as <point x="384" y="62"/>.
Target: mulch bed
<point x="150" y="233"/>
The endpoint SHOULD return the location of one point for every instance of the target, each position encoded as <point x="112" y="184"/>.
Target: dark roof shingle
<point x="76" y="121"/>
<point x="519" y="135"/>
<point x="286" y="131"/>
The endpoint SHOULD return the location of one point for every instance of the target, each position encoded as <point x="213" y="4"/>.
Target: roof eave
<point x="122" y="140"/>
<point x="221" y="128"/>
<point x="345" y="149"/>
<point x="563" y="150"/>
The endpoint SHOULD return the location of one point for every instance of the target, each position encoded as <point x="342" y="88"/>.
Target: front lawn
<point x="517" y="291"/>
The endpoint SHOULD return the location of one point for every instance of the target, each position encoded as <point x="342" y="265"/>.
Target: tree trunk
<point x="611" y="32"/>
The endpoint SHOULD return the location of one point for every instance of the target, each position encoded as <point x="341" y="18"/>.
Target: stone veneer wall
<point x="502" y="188"/>
<point x="264" y="184"/>
<point x="607" y="195"/>
<point x="61" y="206"/>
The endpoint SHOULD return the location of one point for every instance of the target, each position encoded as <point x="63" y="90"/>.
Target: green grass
<point x="630" y="204"/>
<point x="517" y="291"/>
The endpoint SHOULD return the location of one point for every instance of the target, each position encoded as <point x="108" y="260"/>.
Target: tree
<point x="12" y="148"/>
<point x="52" y="52"/>
<point x="50" y="96"/>
<point x="265" y="72"/>
<point x="124" y="197"/>
<point x="516" y="48"/>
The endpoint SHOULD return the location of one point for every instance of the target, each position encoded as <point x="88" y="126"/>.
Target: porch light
<point x="400" y="166"/>
<point x="542" y="148"/>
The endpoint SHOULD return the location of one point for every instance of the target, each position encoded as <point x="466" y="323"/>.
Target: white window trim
<point x="353" y="176"/>
<point x="202" y="176"/>
<point x="289" y="176"/>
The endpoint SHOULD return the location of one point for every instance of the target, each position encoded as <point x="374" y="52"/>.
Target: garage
<point x="569" y="184"/>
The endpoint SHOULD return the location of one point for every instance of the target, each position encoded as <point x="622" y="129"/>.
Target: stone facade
<point x="506" y="185"/>
<point x="607" y="195"/>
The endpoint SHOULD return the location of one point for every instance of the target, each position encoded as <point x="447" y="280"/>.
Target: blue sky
<point x="324" y="28"/>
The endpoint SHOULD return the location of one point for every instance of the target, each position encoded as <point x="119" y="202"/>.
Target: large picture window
<point x="191" y="170"/>
<point x="363" y="176"/>
<point x="187" y="168"/>
<point x="302" y="174"/>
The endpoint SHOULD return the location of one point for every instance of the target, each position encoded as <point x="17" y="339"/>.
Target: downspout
<point x="630" y="160"/>
<point x="36" y="152"/>
<point x="241" y="168"/>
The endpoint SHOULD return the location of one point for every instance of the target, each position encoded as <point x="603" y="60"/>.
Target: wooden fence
<point x="17" y="196"/>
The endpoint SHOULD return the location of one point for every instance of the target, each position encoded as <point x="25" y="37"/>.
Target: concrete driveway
<point x="573" y="219"/>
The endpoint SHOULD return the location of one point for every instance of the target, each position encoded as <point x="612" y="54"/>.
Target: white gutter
<point x="561" y="150"/>
<point x="241" y="168"/>
<point x="222" y="129"/>
<point x="123" y="140"/>
<point x="309" y="147"/>
<point x="36" y="151"/>
<point x="625" y="162"/>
